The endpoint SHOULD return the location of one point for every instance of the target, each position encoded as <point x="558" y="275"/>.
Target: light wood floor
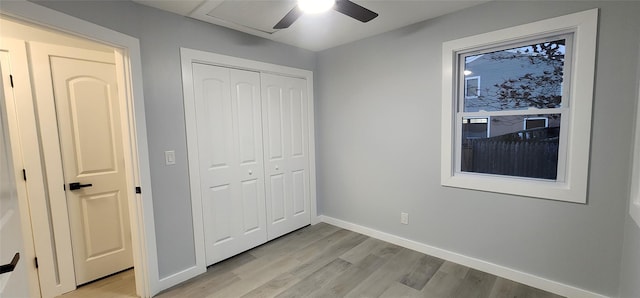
<point x="326" y="261"/>
<point x="121" y="285"/>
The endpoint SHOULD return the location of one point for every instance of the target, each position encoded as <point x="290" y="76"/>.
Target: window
<point x="535" y="122"/>
<point x="526" y="130"/>
<point x="475" y="128"/>
<point x="472" y="87"/>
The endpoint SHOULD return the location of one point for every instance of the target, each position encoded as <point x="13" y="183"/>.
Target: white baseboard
<point x="495" y="269"/>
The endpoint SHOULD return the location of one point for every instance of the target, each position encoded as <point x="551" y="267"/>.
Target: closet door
<point x="228" y="112"/>
<point x="286" y="141"/>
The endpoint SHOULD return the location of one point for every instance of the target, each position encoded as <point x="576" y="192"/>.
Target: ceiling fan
<point x="345" y="7"/>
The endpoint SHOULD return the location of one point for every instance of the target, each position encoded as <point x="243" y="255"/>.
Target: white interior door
<point x="228" y="121"/>
<point x="286" y="141"/>
<point x="82" y="87"/>
<point x="15" y="282"/>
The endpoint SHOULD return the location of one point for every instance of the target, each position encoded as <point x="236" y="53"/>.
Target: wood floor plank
<point x="362" y="250"/>
<point x="273" y="287"/>
<point x="454" y="269"/>
<point x="351" y="277"/>
<point x="319" y="246"/>
<point x="390" y="272"/>
<point x="442" y="285"/>
<point x="295" y="240"/>
<point x="476" y="284"/>
<point x="399" y="290"/>
<point x="504" y="288"/>
<point x="313" y="263"/>
<point x="317" y="279"/>
<point x="119" y="285"/>
<point x="252" y="280"/>
<point x="203" y="285"/>
<point x="421" y="271"/>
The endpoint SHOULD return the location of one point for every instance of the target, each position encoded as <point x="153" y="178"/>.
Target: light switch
<point x="170" y="157"/>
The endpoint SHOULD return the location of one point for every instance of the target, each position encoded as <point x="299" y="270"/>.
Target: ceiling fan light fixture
<point x="315" y="6"/>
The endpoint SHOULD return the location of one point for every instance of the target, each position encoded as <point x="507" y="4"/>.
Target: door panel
<point x="277" y="198"/>
<point x="286" y="132"/>
<point x="251" y="200"/>
<point x="218" y="126"/>
<point x="104" y="233"/>
<point x="300" y="188"/>
<point x="274" y="124"/>
<point x="298" y="116"/>
<point x="246" y="102"/>
<point x="228" y="117"/>
<point x="92" y="136"/>
<point x="86" y="113"/>
<point x="219" y="202"/>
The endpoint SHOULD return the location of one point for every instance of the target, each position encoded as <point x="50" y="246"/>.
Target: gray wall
<point x="161" y="35"/>
<point x="378" y="106"/>
<point x="630" y="271"/>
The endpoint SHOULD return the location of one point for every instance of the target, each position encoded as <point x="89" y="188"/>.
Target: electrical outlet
<point x="404" y="218"/>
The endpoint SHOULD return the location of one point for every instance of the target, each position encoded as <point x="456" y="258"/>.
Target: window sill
<point x="534" y="188"/>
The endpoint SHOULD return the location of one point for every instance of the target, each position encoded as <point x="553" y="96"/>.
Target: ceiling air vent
<point x="253" y="15"/>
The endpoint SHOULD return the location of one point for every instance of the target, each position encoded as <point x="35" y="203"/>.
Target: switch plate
<point x="170" y="157"/>
<point x="404" y="218"/>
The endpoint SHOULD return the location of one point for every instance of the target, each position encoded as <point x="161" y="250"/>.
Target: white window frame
<point x="466" y="80"/>
<point x="571" y="185"/>
<point x="634" y="200"/>
<point x="524" y="123"/>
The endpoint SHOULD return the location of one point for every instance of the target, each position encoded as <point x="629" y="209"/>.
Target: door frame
<point x="187" y="58"/>
<point x="129" y="68"/>
<point x="13" y="112"/>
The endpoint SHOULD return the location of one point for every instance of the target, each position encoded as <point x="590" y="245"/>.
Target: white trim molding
<point x="127" y="51"/>
<point x="573" y="156"/>
<point x="471" y="262"/>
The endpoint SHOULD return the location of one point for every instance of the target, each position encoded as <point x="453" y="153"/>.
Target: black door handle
<point x="11" y="266"/>
<point x="77" y="185"/>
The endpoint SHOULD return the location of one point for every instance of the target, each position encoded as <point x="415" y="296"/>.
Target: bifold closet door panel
<point x="229" y="124"/>
<point x="286" y="141"/>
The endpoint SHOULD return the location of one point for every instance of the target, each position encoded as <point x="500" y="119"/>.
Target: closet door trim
<point x="190" y="56"/>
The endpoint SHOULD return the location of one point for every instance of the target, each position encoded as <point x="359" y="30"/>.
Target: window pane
<point x="475" y="128"/>
<point x="531" y="123"/>
<point x="516" y="78"/>
<point x="472" y="86"/>
<point x="507" y="149"/>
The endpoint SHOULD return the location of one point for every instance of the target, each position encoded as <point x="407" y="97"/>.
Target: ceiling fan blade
<point x="289" y="18"/>
<point x="355" y="11"/>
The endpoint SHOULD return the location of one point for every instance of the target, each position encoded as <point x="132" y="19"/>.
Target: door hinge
<point x="24" y="174"/>
<point x="36" y="262"/>
<point x="11" y="79"/>
<point x="138" y="189"/>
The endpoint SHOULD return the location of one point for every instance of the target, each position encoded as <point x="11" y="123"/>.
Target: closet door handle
<point x="250" y="172"/>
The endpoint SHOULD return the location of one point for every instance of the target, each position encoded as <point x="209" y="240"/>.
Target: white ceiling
<point x="312" y="32"/>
